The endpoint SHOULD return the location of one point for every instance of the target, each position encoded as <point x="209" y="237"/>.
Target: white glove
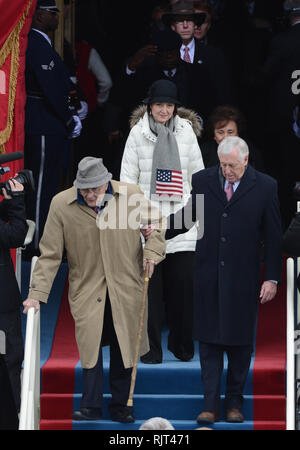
<point x="83" y="111"/>
<point x="78" y="127"/>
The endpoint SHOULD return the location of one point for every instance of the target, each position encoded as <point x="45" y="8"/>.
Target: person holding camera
<point x="13" y="229"/>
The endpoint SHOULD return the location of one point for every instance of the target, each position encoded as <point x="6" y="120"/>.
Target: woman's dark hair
<point x="223" y="114"/>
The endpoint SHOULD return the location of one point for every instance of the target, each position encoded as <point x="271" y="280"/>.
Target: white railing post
<point x="290" y="350"/>
<point x="30" y="393"/>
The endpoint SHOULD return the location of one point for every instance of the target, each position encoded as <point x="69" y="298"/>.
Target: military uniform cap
<point x="47" y="5"/>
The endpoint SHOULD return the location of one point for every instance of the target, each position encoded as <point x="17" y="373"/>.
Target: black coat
<point x="211" y="80"/>
<point x="291" y="241"/>
<point x="13" y="229"/>
<point x="47" y="86"/>
<point x="228" y="257"/>
<point x="291" y="237"/>
<point x="282" y="61"/>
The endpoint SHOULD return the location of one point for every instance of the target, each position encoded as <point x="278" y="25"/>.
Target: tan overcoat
<point x="103" y="252"/>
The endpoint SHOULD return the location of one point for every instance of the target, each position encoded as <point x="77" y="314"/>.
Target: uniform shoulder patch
<point x="49" y="66"/>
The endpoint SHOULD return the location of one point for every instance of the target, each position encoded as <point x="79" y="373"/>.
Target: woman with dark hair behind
<point x="227" y="120"/>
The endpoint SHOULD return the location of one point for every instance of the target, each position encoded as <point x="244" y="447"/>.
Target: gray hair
<point x="156" y="423"/>
<point x="230" y="142"/>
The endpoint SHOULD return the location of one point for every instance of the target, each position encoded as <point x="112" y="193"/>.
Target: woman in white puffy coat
<point x="161" y="152"/>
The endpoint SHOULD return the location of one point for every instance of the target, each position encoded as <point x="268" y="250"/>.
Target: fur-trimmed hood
<point x="184" y="113"/>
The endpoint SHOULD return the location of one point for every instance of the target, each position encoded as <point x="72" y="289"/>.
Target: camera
<point x="25" y="177"/>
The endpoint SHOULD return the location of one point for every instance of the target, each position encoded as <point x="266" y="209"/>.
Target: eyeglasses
<point x="96" y="190"/>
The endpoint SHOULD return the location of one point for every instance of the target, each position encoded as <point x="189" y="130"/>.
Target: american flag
<point x="169" y="182"/>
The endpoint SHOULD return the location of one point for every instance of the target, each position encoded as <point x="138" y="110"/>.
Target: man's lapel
<point x="216" y="186"/>
<point x="246" y="184"/>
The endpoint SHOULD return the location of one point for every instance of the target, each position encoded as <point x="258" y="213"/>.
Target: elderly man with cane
<point x="97" y="222"/>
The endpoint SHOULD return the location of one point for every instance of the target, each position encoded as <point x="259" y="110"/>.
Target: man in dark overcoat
<point x="228" y="266"/>
<point x="210" y="77"/>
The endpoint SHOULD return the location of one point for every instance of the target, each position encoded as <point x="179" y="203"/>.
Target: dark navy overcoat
<point x="228" y="259"/>
<point x="13" y="229"/>
<point x="47" y="86"/>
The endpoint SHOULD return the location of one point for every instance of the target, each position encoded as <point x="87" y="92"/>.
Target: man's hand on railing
<point x="31" y="303"/>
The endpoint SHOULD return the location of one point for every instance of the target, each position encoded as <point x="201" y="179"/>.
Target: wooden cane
<point x="139" y="337"/>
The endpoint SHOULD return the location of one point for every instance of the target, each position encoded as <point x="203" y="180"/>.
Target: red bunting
<point x="15" y="22"/>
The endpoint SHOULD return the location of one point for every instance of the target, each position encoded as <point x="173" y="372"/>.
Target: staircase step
<point x="61" y="406"/>
<point x="177" y="424"/>
<point x="172" y="376"/>
<point x="172" y="389"/>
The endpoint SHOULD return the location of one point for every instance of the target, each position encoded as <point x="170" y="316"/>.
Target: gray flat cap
<point x="91" y="173"/>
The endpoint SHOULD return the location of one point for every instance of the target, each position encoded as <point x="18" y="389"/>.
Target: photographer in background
<point x="13" y="229"/>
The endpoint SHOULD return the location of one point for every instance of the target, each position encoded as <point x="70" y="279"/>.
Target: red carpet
<point x="270" y="361"/>
<point x="64" y="356"/>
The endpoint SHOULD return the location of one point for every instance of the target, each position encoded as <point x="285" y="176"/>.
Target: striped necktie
<point x="186" y="55"/>
<point x="229" y="191"/>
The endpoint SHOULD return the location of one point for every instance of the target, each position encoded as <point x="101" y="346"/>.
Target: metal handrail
<point x="290" y="347"/>
<point x="30" y="393"/>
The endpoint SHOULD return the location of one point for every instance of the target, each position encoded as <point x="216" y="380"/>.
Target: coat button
<point x="222" y="263"/>
<point x="99" y="299"/>
<point x="223" y="239"/>
<point x="225" y="214"/>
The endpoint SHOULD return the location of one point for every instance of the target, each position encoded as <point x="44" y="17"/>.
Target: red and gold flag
<point x="15" y="22"/>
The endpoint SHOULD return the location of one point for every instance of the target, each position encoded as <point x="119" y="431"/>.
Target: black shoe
<point x="181" y="354"/>
<point x="184" y="356"/>
<point x="150" y="358"/>
<point x="87" y="414"/>
<point x="124" y="415"/>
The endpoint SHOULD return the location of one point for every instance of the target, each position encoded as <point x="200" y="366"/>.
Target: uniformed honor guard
<point x="50" y="118"/>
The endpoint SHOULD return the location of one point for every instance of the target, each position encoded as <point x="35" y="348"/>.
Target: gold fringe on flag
<point x="11" y="46"/>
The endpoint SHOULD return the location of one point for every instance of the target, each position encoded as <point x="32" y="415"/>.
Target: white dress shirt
<point x="191" y="47"/>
